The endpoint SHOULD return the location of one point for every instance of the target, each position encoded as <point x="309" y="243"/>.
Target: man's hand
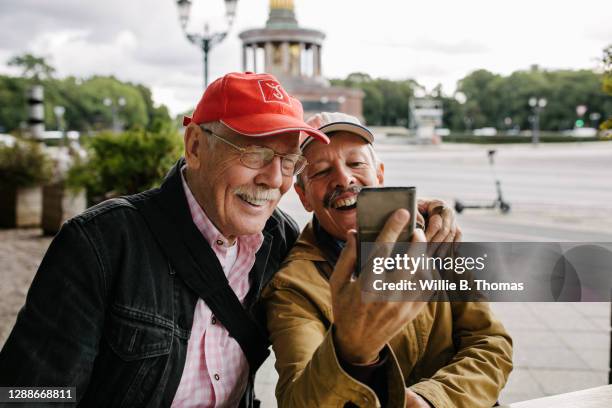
<point x="363" y="329"/>
<point x="441" y="225"/>
<point x="414" y="400"/>
<point x="440" y="220"/>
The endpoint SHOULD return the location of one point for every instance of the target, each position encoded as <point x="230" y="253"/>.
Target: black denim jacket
<point x="107" y="313"/>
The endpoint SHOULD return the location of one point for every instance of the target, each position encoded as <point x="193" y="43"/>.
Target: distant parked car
<point x="443" y="132"/>
<point x="513" y="132"/>
<point x="486" y="131"/>
<point x="583" y="132"/>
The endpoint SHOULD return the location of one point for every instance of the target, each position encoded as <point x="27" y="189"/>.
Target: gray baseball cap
<point x="328" y="122"/>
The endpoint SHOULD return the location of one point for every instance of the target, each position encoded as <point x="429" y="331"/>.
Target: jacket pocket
<point x="135" y="335"/>
<point x="137" y="350"/>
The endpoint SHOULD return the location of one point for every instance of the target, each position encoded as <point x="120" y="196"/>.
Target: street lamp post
<point x="595" y="116"/>
<point x="117" y="126"/>
<point x="461" y="99"/>
<point x="59" y="115"/>
<point x="537" y="104"/>
<point x="207" y="40"/>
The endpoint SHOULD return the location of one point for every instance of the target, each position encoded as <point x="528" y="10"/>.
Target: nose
<point x="343" y="177"/>
<point x="271" y="175"/>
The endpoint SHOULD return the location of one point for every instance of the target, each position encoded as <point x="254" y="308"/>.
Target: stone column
<point x="268" y="57"/>
<point x="285" y="57"/>
<point x="255" y="46"/>
<point x="244" y="57"/>
<point x="302" y="59"/>
<point x="316" y="60"/>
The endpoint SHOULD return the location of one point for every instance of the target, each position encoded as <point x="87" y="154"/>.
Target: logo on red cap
<point x="272" y="91"/>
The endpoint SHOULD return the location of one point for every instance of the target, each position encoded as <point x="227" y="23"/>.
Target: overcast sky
<point x="431" y="41"/>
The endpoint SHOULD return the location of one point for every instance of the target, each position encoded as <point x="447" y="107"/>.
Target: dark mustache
<point x="331" y="196"/>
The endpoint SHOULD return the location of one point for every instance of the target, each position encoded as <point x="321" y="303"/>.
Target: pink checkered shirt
<point x="216" y="370"/>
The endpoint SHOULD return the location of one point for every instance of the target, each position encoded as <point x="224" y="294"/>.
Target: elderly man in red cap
<point x="150" y="300"/>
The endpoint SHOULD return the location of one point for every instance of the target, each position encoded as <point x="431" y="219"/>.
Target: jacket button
<point x="213" y="320"/>
<point x="217" y="377"/>
<point x="219" y="242"/>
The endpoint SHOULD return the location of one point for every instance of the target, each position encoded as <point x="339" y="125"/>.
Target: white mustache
<point x="258" y="193"/>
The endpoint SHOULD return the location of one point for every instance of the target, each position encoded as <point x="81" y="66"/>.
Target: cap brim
<point x="354" y="128"/>
<point x="270" y="124"/>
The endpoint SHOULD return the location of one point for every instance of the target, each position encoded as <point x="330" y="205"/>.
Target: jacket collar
<point x="329" y="245"/>
<point x="306" y="247"/>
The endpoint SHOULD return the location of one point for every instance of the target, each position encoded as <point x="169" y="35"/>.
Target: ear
<point x="302" y="194"/>
<point x="380" y="173"/>
<point x="193" y="151"/>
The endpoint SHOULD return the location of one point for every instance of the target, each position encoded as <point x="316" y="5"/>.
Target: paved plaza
<point x="558" y="193"/>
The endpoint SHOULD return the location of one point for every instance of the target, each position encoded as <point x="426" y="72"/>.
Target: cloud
<point x="431" y="42"/>
<point x="428" y="44"/>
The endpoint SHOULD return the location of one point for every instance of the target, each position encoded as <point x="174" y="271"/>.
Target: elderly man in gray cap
<point x="331" y="348"/>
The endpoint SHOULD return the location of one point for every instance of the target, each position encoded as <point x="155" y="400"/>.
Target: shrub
<point x="24" y="164"/>
<point x="124" y="163"/>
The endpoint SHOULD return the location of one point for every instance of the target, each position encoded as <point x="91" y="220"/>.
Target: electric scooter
<point x="499" y="202"/>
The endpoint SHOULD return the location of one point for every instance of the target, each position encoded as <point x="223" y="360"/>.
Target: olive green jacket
<point x="452" y="354"/>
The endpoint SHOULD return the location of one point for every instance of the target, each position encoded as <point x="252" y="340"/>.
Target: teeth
<point x="254" y="201"/>
<point x="345" y="202"/>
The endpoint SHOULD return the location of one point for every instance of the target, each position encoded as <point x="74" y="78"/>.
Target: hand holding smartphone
<point x="374" y="206"/>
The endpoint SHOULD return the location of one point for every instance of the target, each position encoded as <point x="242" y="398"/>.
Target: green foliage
<point x="83" y="100"/>
<point x="125" y="163"/>
<point x="491" y="98"/>
<point x="32" y="66"/>
<point x="24" y="164"/>
<point x="547" y="137"/>
<point x="607" y="82"/>
<point x="84" y="104"/>
<point x="385" y="102"/>
<point x="607" y="66"/>
<point x="12" y="103"/>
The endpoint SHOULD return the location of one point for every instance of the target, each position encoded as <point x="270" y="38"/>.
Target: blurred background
<point x="503" y="109"/>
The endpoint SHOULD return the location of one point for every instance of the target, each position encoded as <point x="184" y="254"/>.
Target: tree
<point x="125" y="163"/>
<point x="385" y="102"/>
<point x="12" y="103"/>
<point x="492" y="98"/>
<point x="33" y="67"/>
<point x="607" y="82"/>
<point x="607" y="65"/>
<point x="158" y="116"/>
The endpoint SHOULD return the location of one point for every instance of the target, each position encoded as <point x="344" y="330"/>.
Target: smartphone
<point x="375" y="205"/>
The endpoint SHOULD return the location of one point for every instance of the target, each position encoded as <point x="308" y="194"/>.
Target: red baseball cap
<point x="253" y="105"/>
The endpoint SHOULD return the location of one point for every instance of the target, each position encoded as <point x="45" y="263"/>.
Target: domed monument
<point x="293" y="54"/>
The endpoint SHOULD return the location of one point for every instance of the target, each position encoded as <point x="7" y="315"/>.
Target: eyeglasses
<point x="257" y="157"/>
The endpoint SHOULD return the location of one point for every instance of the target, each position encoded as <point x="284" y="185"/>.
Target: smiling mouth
<point x="345" y="204"/>
<point x="251" y="200"/>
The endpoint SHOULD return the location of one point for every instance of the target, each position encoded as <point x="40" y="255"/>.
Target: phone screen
<point x="375" y="205"/>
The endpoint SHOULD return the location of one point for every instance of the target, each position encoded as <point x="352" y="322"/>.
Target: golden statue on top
<point x="281" y="4"/>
